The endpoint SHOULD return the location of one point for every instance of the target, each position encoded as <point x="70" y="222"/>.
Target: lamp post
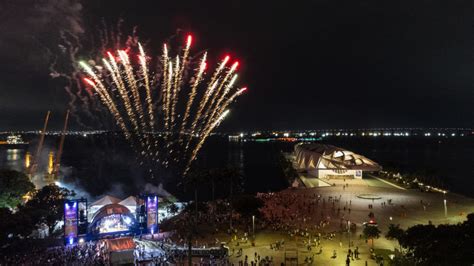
<point x="445" y="206"/>
<point x="349" y="231"/>
<point x="253" y="226"/>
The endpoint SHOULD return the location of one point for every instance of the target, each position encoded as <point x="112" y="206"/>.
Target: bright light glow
<point x="189" y="41"/>
<point x="235" y="65"/>
<point x="88" y="81"/>
<point x="127" y="220"/>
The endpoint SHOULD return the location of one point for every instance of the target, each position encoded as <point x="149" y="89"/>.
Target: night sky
<point x="308" y="64"/>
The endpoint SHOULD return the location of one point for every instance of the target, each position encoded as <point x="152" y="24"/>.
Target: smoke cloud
<point x="31" y="27"/>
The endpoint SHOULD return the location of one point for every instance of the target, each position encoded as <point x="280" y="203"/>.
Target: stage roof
<point x="129" y="202"/>
<point x="105" y="201"/>
<point x="109" y="210"/>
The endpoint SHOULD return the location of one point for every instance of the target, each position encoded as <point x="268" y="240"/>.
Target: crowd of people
<point x="84" y="254"/>
<point x="306" y="212"/>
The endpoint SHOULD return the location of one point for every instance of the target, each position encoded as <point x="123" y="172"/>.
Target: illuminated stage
<point x="110" y="217"/>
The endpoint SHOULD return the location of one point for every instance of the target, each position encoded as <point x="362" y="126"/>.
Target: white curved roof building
<point x="327" y="161"/>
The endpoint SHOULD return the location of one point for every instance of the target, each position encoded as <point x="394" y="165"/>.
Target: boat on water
<point x="13" y="142"/>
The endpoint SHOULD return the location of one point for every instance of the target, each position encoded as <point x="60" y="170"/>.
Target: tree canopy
<point x="47" y="205"/>
<point x="372" y="232"/>
<point x="13" y="186"/>
<point x="446" y="244"/>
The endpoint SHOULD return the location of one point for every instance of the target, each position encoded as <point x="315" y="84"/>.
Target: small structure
<point x="120" y="250"/>
<point x="327" y="161"/>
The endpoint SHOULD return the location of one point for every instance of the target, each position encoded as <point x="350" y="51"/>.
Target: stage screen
<point x="152" y="214"/>
<point x="114" y="223"/>
<point x="70" y="222"/>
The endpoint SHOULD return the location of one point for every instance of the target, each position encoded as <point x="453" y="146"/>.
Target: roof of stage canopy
<point x="321" y="156"/>
<point x="131" y="201"/>
<point x="105" y="201"/>
<point x="109" y="210"/>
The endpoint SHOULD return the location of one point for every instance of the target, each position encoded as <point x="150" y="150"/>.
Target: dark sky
<point x="308" y="64"/>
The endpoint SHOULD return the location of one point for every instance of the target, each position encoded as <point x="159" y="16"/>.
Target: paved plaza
<point x="396" y="205"/>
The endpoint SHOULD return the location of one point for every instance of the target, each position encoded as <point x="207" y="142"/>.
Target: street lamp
<point x="253" y="226"/>
<point x="349" y="231"/>
<point x="445" y="206"/>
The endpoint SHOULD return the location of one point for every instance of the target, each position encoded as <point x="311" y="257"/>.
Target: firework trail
<point x="192" y="94"/>
<point x="219" y="88"/>
<point x="85" y="105"/>
<point x="128" y="92"/>
<point x="149" y="101"/>
<point x="204" y="100"/>
<point x="175" y="90"/>
<point x="214" y="107"/>
<point x="203" y="139"/>
<point x="167" y="67"/>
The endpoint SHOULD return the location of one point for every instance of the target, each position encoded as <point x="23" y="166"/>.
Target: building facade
<point x="327" y="161"/>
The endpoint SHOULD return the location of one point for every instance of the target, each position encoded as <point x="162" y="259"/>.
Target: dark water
<point x="101" y="164"/>
<point x="449" y="159"/>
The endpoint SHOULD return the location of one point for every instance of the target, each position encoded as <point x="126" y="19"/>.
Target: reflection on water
<point x="13" y="154"/>
<point x="105" y="164"/>
<point x="12" y="159"/>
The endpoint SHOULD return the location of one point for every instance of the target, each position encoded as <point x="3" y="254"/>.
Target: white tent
<point x="106" y="200"/>
<point x="130" y="203"/>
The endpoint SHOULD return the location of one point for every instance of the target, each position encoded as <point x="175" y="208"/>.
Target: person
<point x="334" y="254"/>
<point x="348" y="261"/>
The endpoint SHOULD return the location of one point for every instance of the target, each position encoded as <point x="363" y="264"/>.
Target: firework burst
<point x="174" y="130"/>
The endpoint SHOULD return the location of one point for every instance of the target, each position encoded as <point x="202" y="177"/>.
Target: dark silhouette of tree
<point x="371" y="232"/>
<point x="47" y="206"/>
<point x="13" y="186"/>
<point x="446" y="244"/>
<point x="395" y="232"/>
<point x="287" y="167"/>
<point x="247" y="205"/>
<point x="6" y="216"/>
<point x="14" y="226"/>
